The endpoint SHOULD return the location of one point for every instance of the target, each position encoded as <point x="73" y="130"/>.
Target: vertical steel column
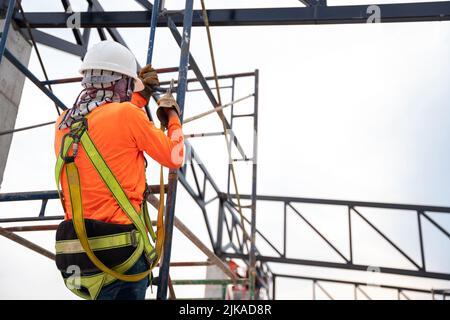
<point x="220" y="222"/>
<point x="274" y="288"/>
<point x="87" y="31"/>
<point x="314" y="290"/>
<point x="422" y="252"/>
<point x="172" y="188"/>
<point x="350" y="240"/>
<point x="284" y="228"/>
<point x="252" y="261"/>
<point x="4" y="35"/>
<point x="229" y="164"/>
<point x="151" y="44"/>
<point x="233" y="85"/>
<point x="153" y="23"/>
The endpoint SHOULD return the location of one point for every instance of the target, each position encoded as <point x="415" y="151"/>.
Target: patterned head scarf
<point x="100" y="87"/>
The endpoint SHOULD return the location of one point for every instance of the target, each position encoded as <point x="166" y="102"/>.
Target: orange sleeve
<point x="138" y="100"/>
<point x="166" y="150"/>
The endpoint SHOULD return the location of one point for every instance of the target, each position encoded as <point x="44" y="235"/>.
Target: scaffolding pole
<point x="173" y="175"/>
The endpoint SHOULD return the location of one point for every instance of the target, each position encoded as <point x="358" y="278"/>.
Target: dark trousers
<point x="122" y="290"/>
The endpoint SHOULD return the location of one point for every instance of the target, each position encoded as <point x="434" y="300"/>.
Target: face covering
<point x="100" y="87"/>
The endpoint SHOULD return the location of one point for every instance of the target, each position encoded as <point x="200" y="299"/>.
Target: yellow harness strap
<point x="73" y="181"/>
<point x="160" y="231"/>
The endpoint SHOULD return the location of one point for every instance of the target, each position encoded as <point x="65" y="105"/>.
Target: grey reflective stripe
<point x="98" y="243"/>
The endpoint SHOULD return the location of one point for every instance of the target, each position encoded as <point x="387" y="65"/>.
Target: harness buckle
<point x="79" y="126"/>
<point x="69" y="159"/>
<point x="77" y="129"/>
<point x="149" y="257"/>
<point x="134" y="238"/>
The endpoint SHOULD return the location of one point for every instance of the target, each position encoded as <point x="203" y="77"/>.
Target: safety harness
<point x="138" y="237"/>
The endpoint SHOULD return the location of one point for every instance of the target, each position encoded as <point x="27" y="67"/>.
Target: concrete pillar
<point x="11" y="86"/>
<point x="214" y="291"/>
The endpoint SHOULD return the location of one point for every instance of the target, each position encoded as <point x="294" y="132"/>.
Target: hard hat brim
<point x="138" y="85"/>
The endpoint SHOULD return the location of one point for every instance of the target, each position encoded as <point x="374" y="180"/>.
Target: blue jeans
<point x="122" y="290"/>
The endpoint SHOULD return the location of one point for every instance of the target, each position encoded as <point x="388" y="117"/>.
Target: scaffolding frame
<point x="229" y="225"/>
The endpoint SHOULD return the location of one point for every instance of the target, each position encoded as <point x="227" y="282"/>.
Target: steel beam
<point x="209" y="282"/>
<point x="347" y="203"/>
<point x="338" y="281"/>
<point x="154" y="20"/>
<point x="47" y="227"/>
<point x="26" y="243"/>
<point x="30" y="219"/>
<point x="310" y="3"/>
<point x="220" y="77"/>
<point x="33" y="195"/>
<point x="337" y="265"/>
<point x="400" y="12"/>
<point x="50" y="194"/>
<point x="78" y="79"/>
<point x="61" y="44"/>
<point x="145" y="4"/>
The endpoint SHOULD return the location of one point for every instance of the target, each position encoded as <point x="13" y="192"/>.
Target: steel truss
<point x="229" y="240"/>
<point x="358" y="288"/>
<point x="353" y="208"/>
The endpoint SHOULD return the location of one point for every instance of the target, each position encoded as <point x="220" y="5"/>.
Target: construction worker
<point x="112" y="104"/>
<point x="238" y="291"/>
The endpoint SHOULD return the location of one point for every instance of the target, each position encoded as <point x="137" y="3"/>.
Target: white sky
<point x="357" y="112"/>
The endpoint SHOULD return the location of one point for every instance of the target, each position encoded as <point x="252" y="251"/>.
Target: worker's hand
<point x="168" y="107"/>
<point x="150" y="79"/>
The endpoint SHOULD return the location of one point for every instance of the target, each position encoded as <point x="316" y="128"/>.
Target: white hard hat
<point x="112" y="56"/>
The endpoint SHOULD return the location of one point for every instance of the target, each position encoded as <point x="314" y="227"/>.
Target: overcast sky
<point x="354" y="112"/>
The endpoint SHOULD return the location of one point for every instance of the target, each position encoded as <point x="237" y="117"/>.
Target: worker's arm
<point x="167" y="150"/>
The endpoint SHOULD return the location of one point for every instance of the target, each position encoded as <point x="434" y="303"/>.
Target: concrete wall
<point x="11" y="86"/>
